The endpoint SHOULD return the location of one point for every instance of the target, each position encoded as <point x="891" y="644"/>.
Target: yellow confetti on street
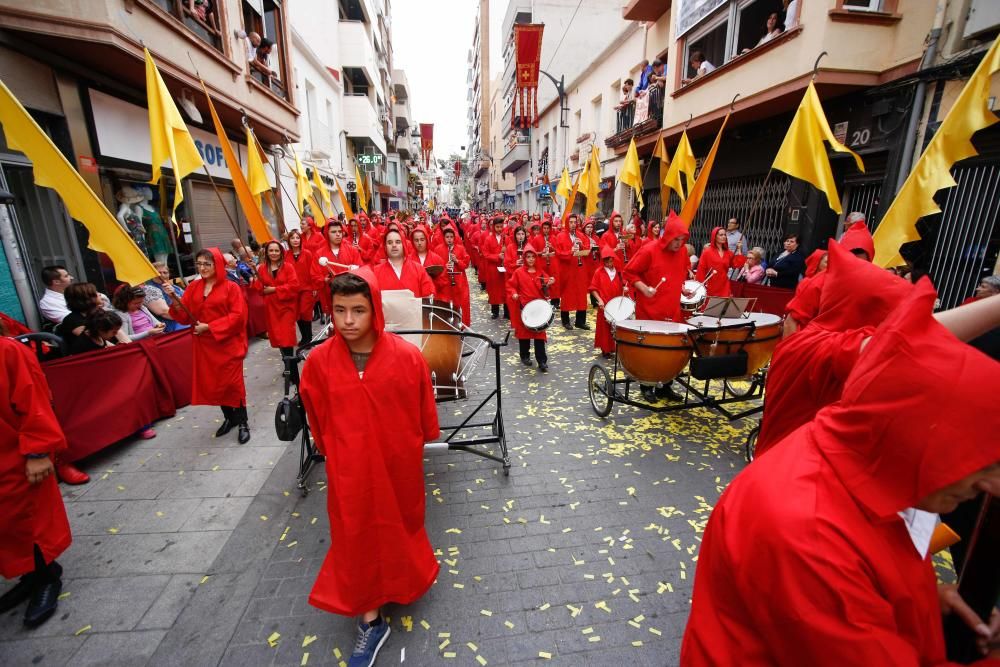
<point x="305" y="659"/>
<point x="307" y="640"/>
<point x="273" y="639"/>
<point x="485" y="612"/>
<point x="82" y="630"/>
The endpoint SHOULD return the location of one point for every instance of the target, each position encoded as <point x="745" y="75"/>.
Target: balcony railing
<point x="200" y="17"/>
<point x="638" y="117"/>
<point x="262" y="75"/>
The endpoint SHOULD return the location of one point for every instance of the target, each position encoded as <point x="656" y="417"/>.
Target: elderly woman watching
<point x="753" y="271"/>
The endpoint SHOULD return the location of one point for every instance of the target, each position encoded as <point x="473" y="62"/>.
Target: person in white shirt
<point x="251" y="40"/>
<point x="699" y="64"/>
<point x="52" y="305"/>
<point x="791" y="18"/>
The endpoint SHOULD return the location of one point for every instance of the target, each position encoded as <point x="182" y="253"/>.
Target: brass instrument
<point x="547" y="251"/>
<point x="354" y="236"/>
<point x="451" y="264"/>
<point x="576" y="248"/>
<point x="520" y="252"/>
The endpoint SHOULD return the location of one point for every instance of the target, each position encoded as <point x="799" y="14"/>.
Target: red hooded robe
<point x="372" y="430"/>
<point x="607" y="289"/>
<point x="219" y="352"/>
<point x="527" y="286"/>
<point x="307" y="284"/>
<point x="805" y="559"/>
<point x="808" y="368"/>
<point x="722" y="262"/>
<point x="572" y="271"/>
<point x="281" y="307"/>
<point x="548" y="264"/>
<point x="495" y="281"/>
<point x="653" y="262"/>
<point x="458" y="294"/>
<point x="29" y="513"/>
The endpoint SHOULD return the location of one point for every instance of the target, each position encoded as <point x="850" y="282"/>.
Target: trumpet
<point x="451" y="264"/>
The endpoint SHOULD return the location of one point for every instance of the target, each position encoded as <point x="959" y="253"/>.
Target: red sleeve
<point x="287" y="283"/>
<point x="181" y="315"/>
<point x="635" y="268"/>
<point x="38" y="431"/>
<point x="428" y="408"/>
<point x="426" y="284"/>
<point x="234" y="323"/>
<point x="563" y="247"/>
<point x="804" y="306"/>
<point x="595" y="281"/>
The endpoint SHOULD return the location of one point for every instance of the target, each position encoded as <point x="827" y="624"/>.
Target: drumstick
<point x="662" y="280"/>
<point x="325" y="261"/>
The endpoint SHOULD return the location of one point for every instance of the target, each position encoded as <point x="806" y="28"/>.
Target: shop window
<point x="265" y="17"/>
<point x="200" y="16"/>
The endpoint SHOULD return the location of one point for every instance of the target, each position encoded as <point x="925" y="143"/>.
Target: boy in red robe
<point x="456" y="262"/>
<point x="605" y="285"/>
<point x="33" y="519"/>
<point x="370" y="404"/>
<point x="527" y="283"/>
<point x="817" y="554"/>
<point x="492" y="245"/>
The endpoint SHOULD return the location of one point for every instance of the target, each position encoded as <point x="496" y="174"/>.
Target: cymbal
<point x="434" y="270"/>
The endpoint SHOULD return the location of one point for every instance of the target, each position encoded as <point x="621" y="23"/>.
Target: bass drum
<point x="619" y="309"/>
<point x="443" y="352"/>
<point x="757" y="334"/>
<point x="537" y="315"/>
<point x="652" y="351"/>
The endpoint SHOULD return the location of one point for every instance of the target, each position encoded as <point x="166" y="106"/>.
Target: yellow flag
<point x="572" y="198"/>
<point x="803" y="154"/>
<point x="698" y="191"/>
<point x="302" y="188"/>
<point x="168" y="135"/>
<point x="683" y="163"/>
<point x="663" y="160"/>
<point x="564" y="186"/>
<point x="52" y="170"/>
<point x="256" y="177"/>
<point x="952" y="142"/>
<point x="324" y="194"/>
<point x="589" y="184"/>
<point x="362" y="195"/>
<point x="630" y="173"/>
<point x="348" y="213"/>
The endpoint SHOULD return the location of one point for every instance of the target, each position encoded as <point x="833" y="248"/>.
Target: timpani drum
<point x="537" y="315"/>
<point x="442" y="352"/>
<point x="619" y="309"/>
<point x="652" y="351"/>
<point x="757" y="334"/>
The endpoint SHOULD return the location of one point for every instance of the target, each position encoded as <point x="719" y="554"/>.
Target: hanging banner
<point x="426" y="142"/>
<point x="528" y="52"/>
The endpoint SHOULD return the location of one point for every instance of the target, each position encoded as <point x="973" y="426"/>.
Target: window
<point x="265" y="18"/>
<point x="200" y="16"/>
<point x="736" y="27"/>
<point x="863" y="5"/>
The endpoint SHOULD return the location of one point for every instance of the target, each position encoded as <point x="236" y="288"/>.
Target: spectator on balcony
<point x="202" y="10"/>
<point x="626" y="107"/>
<point x="645" y="70"/>
<point x="699" y="64"/>
<point x="791" y="13"/>
<point x="658" y="78"/>
<point x="251" y="40"/>
<point x="264" y="53"/>
<point x="772" y="29"/>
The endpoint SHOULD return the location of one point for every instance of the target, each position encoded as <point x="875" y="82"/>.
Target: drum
<point x="758" y="334"/>
<point x="689" y="304"/>
<point x="537" y="315"/>
<point x="652" y="351"/>
<point x="619" y="309"/>
<point x="442" y="352"/>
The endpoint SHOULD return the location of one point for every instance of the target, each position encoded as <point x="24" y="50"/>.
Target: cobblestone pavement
<point x="191" y="551"/>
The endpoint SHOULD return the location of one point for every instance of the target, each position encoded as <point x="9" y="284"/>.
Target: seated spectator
<point x="81" y="300"/>
<point x="100" y="330"/>
<point x="156" y="298"/>
<point x="753" y="271"/>
<point x="53" y="303"/>
<point x="137" y="321"/>
<point x="233" y="271"/>
<point x="699" y="64"/>
<point x="988" y="286"/>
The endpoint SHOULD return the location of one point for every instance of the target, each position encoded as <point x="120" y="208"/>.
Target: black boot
<point x="667" y="392"/>
<point x="47" y="580"/>
<point x="564" y="314"/>
<point x="494" y="312"/>
<point x="227" y="422"/>
<point x="506" y="312"/>
<point x="581" y="320"/>
<point x="541" y="355"/>
<point x="524" y="346"/>
<point x="648" y="393"/>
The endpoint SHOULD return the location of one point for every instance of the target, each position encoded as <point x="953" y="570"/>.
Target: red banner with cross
<point x="528" y="53"/>
<point x="427" y="142"/>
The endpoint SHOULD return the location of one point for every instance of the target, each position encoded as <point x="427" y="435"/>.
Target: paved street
<point x="189" y="551"/>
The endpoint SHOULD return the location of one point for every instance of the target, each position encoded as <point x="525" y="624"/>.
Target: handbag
<point x="288" y="418"/>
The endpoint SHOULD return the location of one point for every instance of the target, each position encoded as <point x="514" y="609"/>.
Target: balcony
<point x="402" y="114"/>
<point x="518" y="152"/>
<point x="404" y="146"/>
<point x="361" y="120"/>
<point x="645" y="10"/>
<point x="357" y="50"/>
<point x="638" y="118"/>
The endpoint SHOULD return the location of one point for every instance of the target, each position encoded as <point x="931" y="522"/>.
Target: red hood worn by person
<point x="218" y="353"/>
<point x="806" y="559"/>
<point x="857" y="237"/>
<point x="654" y="262"/>
<point x="812" y="262"/>
<point x="29" y="513"/>
<point x="379" y="550"/>
<point x="808" y="368"/>
<point x="721" y="262"/>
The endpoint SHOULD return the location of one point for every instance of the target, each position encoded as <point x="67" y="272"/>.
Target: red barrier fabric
<point x="256" y="315"/>
<point x="102" y="397"/>
<point x="769" y="299"/>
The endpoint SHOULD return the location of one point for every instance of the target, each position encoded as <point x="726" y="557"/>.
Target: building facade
<point x="477" y="149"/>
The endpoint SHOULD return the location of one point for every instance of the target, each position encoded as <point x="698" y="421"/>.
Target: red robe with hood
<point x="653" y="262"/>
<point x="495" y="281"/>
<point x="607" y="288"/>
<point x="372" y="430"/>
<point x="307" y="283"/>
<point x="219" y="352"/>
<point x="611" y="238"/>
<point x="551" y="264"/>
<point x="29" y="513"/>
<point x="805" y="559"/>
<point x="412" y="277"/>
<point x="458" y="294"/>
<point x="808" y="368"/>
<point x="281" y="307"/>
<point x="528" y="287"/>
<point x="722" y="262"/>
<point x="321" y="275"/>
<point x="572" y="270"/>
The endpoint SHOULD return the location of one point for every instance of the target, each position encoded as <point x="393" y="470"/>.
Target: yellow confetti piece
<point x="456" y="531"/>
<point x="510" y="626"/>
<point x="472" y="647"/>
<point x="272" y="641"/>
<point x="63" y="596"/>
<point x="595" y="638"/>
<point x="442" y="635"/>
<point x="307" y="640"/>
<point x="587" y="631"/>
<point x="159" y="514"/>
<point x="637" y="643"/>
<point x="113" y="531"/>
<point x="215" y="469"/>
<point x="544" y="607"/>
<point x="312" y="521"/>
<point x="121" y="488"/>
<point x="603" y="606"/>
<point x="481" y="660"/>
<point x="263" y="517"/>
<point x="443" y="644"/>
<point x="485" y="612"/>
<point x="205" y="578"/>
<point x="292" y="544"/>
<point x="336" y="653"/>
<point x="448" y="654"/>
<point x="574" y="611"/>
<point x="82" y="630"/>
<point x="305" y="659"/>
<point x="285" y="493"/>
<point x="407" y="623"/>
<point x="458" y="585"/>
<point x="544" y="655"/>
<point x="425" y="625"/>
<point x="655" y="632"/>
<point x="631" y="490"/>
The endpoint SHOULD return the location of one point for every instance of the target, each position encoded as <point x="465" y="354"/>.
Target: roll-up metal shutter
<point x="211" y="226"/>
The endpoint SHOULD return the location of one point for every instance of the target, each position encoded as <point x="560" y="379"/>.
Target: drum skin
<point x="443" y="353"/>
<point x="690" y="304"/>
<point x="652" y="351"/>
<point x="712" y="341"/>
<point x="537" y="315"/>
<point x="620" y="308"/>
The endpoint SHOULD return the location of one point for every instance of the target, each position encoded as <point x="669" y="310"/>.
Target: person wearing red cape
<point x="427" y="258"/>
<point x="572" y="246"/>
<point x="278" y="283"/>
<point x="657" y="274"/>
<point x="369" y="402"/>
<point x="545" y="243"/>
<point x="456" y="262"/>
<point x="492" y="245"/>
<point x="614" y="238"/>
<point x="336" y="251"/>
<point x="302" y="260"/>
<point x="399" y="271"/>
<point x="33" y="518"/>
<point x="606" y="284"/>
<point x="719" y="258"/>
<point x="818" y="553"/>
<point x="527" y="283"/>
<point x="217" y="312"/>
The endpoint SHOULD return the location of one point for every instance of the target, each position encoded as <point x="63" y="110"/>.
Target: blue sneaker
<point x="369" y="641"/>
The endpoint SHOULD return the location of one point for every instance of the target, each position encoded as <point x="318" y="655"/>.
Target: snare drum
<point x="537" y="315"/>
<point x="728" y="335"/>
<point x="652" y="351"/>
<point x="699" y="294"/>
<point x="619" y="309"/>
